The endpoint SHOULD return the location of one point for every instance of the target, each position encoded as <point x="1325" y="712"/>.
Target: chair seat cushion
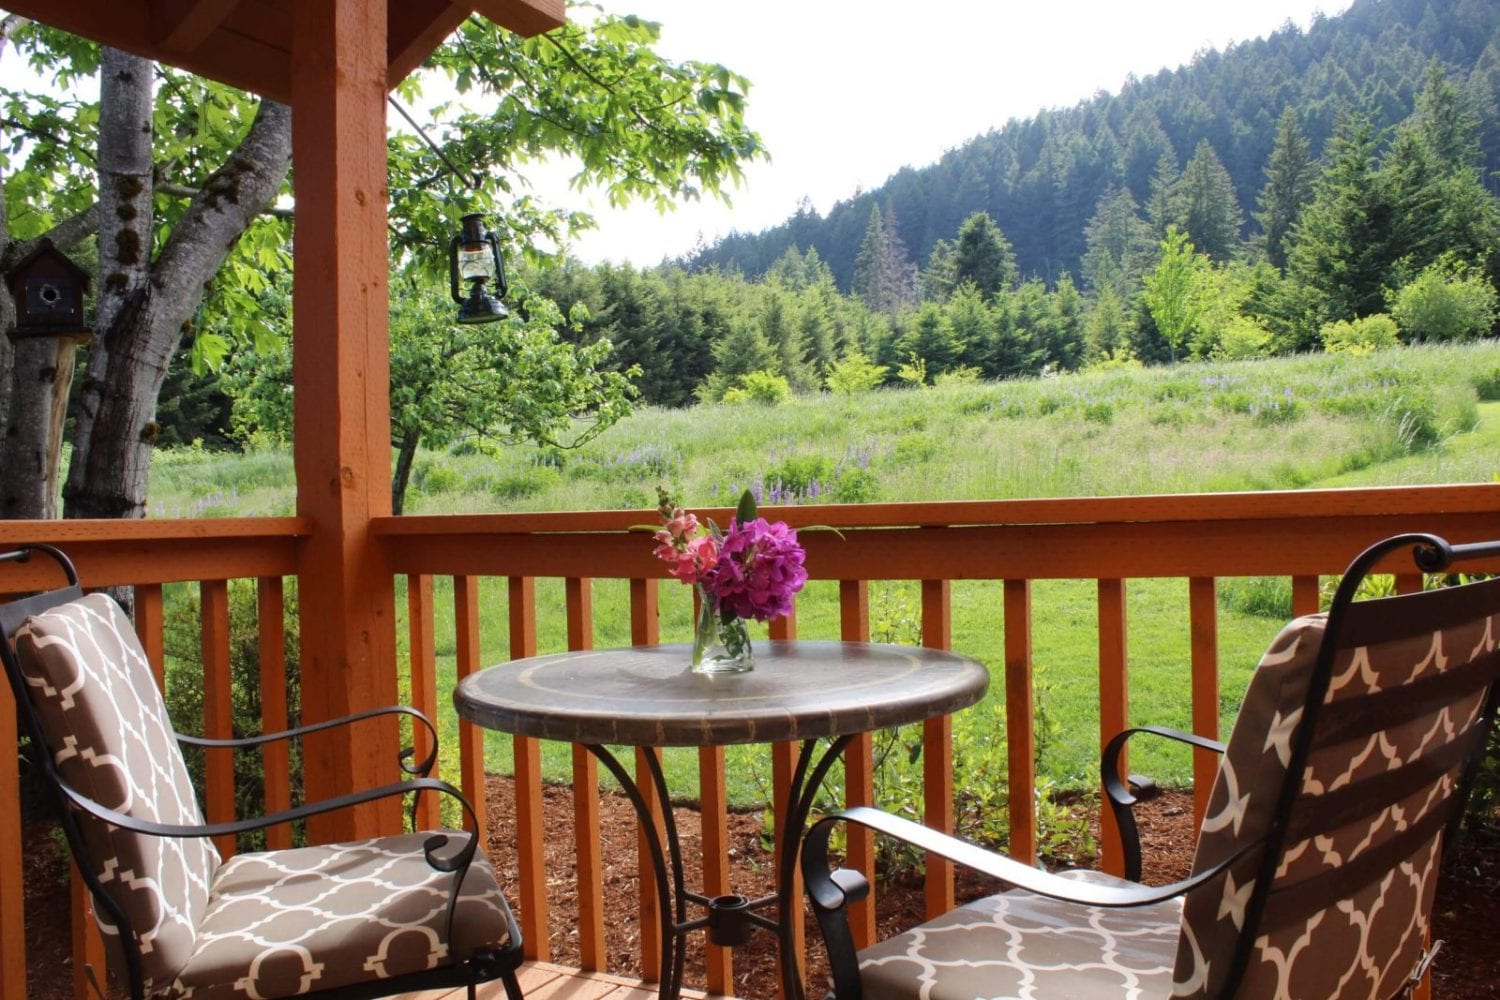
<point x="283" y="923"/>
<point x="1020" y="945"/>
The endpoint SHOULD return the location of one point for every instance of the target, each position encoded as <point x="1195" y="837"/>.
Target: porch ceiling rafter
<point x="248" y="43"/>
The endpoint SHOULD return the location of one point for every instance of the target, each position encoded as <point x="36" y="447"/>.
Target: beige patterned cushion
<point x="107" y="729"/>
<point x="1316" y="939"/>
<point x="1017" y="944"/>
<point x="281" y="923"/>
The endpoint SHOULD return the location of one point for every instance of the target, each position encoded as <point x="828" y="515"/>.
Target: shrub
<point x="962" y="375"/>
<point x="525" y="483"/>
<point x="766" y="388"/>
<point x="1242" y="337"/>
<point x="1487" y="385"/>
<point x="1446" y="301"/>
<point x="1361" y="336"/>
<point x="856" y="486"/>
<point x="1099" y="413"/>
<point x="801" y="475"/>
<point x="1263" y="596"/>
<point x="854" y="375"/>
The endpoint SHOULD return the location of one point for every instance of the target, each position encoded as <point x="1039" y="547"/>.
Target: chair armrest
<point x="1117" y="789"/>
<point x="831" y="889"/>
<point x="421" y="768"/>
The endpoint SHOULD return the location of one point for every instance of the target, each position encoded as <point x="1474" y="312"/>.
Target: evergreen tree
<point x="930" y="338"/>
<point x="1341" y="243"/>
<point x="984" y="256"/>
<point x="1207" y="209"/>
<point x="884" y="277"/>
<point x="1289" y="178"/>
<point x="973" y="325"/>
<point x="1066" y="346"/>
<point x="1120" y="247"/>
<point x="1161" y="206"/>
<point x="1106" y="327"/>
<point x="940" y="277"/>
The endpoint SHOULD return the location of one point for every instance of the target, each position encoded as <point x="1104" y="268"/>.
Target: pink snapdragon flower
<point x="758" y="571"/>
<point x="689" y="554"/>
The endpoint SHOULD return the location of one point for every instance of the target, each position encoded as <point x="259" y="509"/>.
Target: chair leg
<point x="512" y="986"/>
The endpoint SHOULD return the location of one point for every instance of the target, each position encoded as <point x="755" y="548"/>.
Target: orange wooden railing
<point x="1301" y="535"/>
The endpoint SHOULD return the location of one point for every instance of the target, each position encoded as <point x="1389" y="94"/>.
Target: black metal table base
<point x="730" y="920"/>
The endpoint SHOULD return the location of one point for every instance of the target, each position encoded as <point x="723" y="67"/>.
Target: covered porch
<point x="350" y="558"/>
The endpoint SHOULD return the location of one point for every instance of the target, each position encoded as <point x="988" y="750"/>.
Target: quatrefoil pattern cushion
<point x="282" y="923"/>
<point x="1023" y="946"/>
<point x="1327" y="931"/>
<point x="107" y="729"/>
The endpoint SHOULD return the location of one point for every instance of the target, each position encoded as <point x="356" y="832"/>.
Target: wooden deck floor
<point x="545" y="981"/>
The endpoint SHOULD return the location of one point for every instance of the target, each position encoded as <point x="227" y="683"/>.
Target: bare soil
<point x="1467" y="910"/>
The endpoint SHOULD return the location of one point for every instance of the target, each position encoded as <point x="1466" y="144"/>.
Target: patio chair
<point x="1345" y="775"/>
<point x="360" y="919"/>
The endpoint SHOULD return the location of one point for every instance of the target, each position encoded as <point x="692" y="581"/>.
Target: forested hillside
<point x="1043" y="179"/>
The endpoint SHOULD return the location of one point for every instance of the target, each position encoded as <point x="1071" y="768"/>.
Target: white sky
<point x="846" y="92"/>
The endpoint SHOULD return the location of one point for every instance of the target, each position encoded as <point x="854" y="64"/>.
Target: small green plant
<point x="766" y="388"/>
<point x="1263" y="596"/>
<point x="856" y="486"/>
<point x="1360" y="336"/>
<point x="914" y="371"/>
<point x="854" y="375"/>
<point x="1447" y="301"/>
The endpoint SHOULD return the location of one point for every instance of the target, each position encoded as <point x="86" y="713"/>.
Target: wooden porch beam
<point x="341" y="370"/>
<point x="184" y="25"/>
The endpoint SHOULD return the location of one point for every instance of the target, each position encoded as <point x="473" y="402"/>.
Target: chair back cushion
<point x="105" y="724"/>
<point x="1347" y="912"/>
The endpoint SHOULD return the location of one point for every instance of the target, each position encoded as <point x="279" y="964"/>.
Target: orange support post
<point x="341" y="367"/>
<point x="276" y="764"/>
<point x="937" y="751"/>
<point x="1114" y="709"/>
<point x="1020" y="720"/>
<point x="589" y="851"/>
<point x="1203" y="615"/>
<point x="421" y="632"/>
<point x="218" y="710"/>
<point x="859" y="769"/>
<point x="466" y="662"/>
<point x="645" y="630"/>
<point x="12" y="899"/>
<point x="527" y="757"/>
<point x="149" y="628"/>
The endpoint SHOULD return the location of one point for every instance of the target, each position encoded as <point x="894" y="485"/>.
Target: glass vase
<point x="721" y="643"/>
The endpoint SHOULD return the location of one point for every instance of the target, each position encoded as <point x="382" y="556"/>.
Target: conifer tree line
<point x="1389" y="236"/>
<point x="1333" y="187"/>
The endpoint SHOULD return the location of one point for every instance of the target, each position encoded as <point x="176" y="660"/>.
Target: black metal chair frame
<point x="484" y="966"/>
<point x="832" y="889"/>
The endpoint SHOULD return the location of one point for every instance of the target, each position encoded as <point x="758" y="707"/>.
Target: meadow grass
<point x="1416" y="415"/>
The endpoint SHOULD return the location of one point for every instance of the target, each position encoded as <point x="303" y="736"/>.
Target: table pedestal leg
<point x="728" y="919"/>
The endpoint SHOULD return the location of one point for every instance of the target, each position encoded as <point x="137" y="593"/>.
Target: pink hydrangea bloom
<point x="759" y="569"/>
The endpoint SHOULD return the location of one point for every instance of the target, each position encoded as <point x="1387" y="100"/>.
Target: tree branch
<point x="9" y="25"/>
<point x="50" y="137"/>
<point x="188" y="191"/>
<point x="66" y="234"/>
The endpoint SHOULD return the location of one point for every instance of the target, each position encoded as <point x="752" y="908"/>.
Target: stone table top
<point x="647" y="696"/>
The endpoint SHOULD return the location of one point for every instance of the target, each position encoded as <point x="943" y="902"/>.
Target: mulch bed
<point x="1467" y="911"/>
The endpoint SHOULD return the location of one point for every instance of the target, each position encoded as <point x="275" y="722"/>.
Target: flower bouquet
<point x="750" y="570"/>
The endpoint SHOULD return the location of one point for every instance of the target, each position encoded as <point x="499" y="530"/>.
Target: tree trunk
<point x="405" y="454"/>
<point x="141" y="321"/>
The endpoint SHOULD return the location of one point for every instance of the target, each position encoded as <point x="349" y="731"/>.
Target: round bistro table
<point x="645" y="696"/>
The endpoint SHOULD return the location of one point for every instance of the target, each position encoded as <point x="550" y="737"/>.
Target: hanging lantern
<point x="474" y="257"/>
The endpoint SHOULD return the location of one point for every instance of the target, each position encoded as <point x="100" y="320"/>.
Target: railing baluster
<point x="88" y="943"/>
<point x="937" y="751"/>
<point x="149" y="628"/>
<point x="783" y="763"/>
<point x="1305" y="596"/>
<point x="12" y="898"/>
<point x="1114" y="714"/>
<point x="218" y="709"/>
<point x="276" y="762"/>
<point x="1203" y="618"/>
<point x="859" y="768"/>
<point x="645" y="630"/>
<point x="466" y="662"/>
<point x="421" y="633"/>
<point x="527" y="760"/>
<point x="1020" y="727"/>
<point x="588" y="852"/>
<point x="713" y="806"/>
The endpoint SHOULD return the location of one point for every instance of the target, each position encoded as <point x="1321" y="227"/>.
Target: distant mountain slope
<point x="1041" y="178"/>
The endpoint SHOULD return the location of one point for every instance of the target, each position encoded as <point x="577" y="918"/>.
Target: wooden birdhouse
<point x="48" y="289"/>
